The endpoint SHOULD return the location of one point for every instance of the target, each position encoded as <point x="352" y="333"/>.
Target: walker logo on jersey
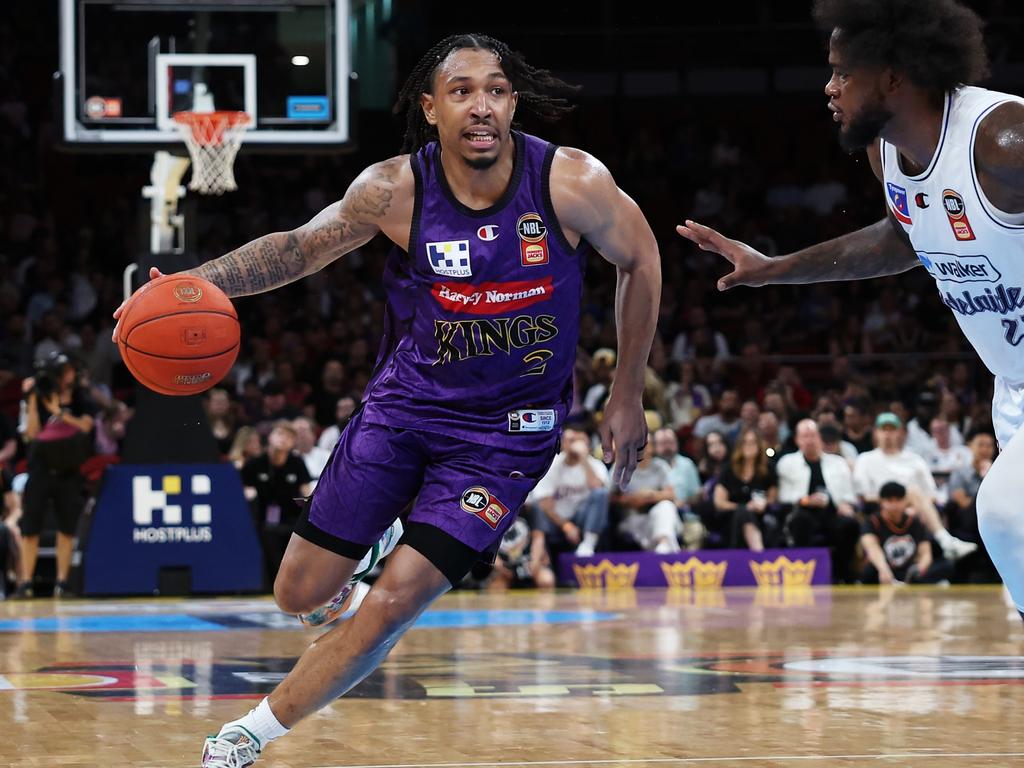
<point x="450" y="258"/>
<point x="898" y="198"/>
<point x="533" y="236"/>
<point x="956" y="211"/>
<point x="146" y="501"/>
<point x="959" y="269"/>
<point x="488" y="232"/>
<point x="463" y="339"/>
<point x="921" y="200"/>
<point x="525" y="420"/>
<point x="188" y="293"/>
<point x="488" y="298"/>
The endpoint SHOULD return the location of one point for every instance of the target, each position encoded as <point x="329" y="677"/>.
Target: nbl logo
<point x="148" y="502"/>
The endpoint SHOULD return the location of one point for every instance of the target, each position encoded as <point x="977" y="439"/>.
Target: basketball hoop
<point x="213" y="139"/>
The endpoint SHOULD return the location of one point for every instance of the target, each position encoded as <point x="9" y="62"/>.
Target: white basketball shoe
<point x="233" y="747"/>
<point x="346" y="602"/>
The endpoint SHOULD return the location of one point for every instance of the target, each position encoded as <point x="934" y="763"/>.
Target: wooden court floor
<point x="648" y="678"/>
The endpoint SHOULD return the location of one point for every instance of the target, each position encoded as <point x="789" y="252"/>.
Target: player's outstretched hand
<point x="154" y="273"/>
<point x="750" y="266"/>
<point x="623" y="433"/>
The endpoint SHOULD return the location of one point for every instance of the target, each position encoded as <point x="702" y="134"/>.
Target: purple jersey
<point x="483" y="311"/>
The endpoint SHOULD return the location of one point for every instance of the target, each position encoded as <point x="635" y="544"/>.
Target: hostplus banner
<point x="172" y="515"/>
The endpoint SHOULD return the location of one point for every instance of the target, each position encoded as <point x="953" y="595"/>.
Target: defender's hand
<point x="751" y="267"/>
<point x="154" y="273"/>
<point x="623" y="436"/>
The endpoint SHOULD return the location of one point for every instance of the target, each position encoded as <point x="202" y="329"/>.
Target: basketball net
<point x="213" y="139"/>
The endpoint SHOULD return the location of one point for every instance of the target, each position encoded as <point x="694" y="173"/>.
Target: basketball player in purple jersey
<point x="950" y="158"/>
<point x="492" y="229"/>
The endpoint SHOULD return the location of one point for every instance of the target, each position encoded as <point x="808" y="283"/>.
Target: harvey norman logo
<point x="489" y="298"/>
<point x="172" y="527"/>
<point x="959" y="269"/>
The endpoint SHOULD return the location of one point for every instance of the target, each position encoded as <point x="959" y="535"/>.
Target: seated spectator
<point x="687" y="485"/>
<point x="602" y="372"/>
<point x="572" y="498"/>
<point x="746" y="488"/>
<point x="768" y="429"/>
<point x="223" y="419"/>
<point x="522" y="560"/>
<point x="832" y="442"/>
<point x="247" y="445"/>
<point x="331" y="388"/>
<point x="918" y="439"/>
<point x="343" y="411"/>
<point x="896" y="545"/>
<point x="275" y="408"/>
<point x="272" y="482"/>
<point x="714" y="456"/>
<point x="943" y="454"/>
<point x="725" y="420"/>
<point x="698" y="331"/>
<point x="305" y="445"/>
<point x="687" y="398"/>
<point x="682" y="471"/>
<point x="961" y="510"/>
<point x="648" y="505"/>
<point x="890" y="461"/>
<point x="818" y="486"/>
<point x="857" y="425"/>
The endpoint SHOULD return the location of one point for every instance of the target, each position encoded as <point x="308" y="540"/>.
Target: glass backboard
<point x="127" y="66"/>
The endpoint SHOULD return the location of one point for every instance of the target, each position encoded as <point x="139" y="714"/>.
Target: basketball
<point x="179" y="335"/>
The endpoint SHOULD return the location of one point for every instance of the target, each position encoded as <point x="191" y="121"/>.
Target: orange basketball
<point x="179" y="335"/>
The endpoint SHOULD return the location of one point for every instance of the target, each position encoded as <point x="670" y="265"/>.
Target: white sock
<point x="590" y="539"/>
<point x="261" y="723"/>
<point x="943" y="538"/>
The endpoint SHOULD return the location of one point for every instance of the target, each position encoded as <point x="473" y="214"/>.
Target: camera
<point x="48" y="373"/>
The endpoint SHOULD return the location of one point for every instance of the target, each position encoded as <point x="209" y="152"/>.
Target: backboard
<point x="127" y="66"/>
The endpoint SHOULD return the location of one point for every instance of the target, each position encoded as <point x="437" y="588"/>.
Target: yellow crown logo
<point x="784" y="572"/>
<point x="606" y="575"/>
<point x="695" y="573"/>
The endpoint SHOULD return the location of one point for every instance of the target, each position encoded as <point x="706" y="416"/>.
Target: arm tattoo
<point x="282" y="257"/>
<point x="266" y="263"/>
<point x="874" y="251"/>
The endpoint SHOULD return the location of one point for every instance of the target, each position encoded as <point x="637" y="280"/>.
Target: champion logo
<point x="488" y="232"/>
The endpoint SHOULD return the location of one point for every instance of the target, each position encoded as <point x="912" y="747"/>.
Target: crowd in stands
<point x="778" y="416"/>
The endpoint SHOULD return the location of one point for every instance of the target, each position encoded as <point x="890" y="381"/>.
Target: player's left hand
<point x="623" y="433"/>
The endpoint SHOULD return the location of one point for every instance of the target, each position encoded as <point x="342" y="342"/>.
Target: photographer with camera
<point x="57" y="417"/>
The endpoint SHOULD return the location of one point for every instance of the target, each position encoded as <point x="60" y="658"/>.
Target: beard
<point x="480" y="163"/>
<point x="865" y="127"/>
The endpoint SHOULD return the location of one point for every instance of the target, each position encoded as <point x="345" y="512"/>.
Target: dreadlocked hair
<point x="535" y="86"/>
<point x="937" y="44"/>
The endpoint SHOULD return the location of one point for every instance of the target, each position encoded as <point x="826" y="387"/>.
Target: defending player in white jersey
<point x="951" y="162"/>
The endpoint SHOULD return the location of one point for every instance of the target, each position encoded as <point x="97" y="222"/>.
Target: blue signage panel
<point x="308" y="108"/>
<point x="151" y="516"/>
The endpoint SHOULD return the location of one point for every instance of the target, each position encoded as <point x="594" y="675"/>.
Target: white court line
<point x="685" y="760"/>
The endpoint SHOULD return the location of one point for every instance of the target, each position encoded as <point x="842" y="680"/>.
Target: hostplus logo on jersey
<point x="450" y="258"/>
<point x="148" y="503"/>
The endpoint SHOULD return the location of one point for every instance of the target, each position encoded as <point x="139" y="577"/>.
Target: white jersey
<point x="974" y="251"/>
